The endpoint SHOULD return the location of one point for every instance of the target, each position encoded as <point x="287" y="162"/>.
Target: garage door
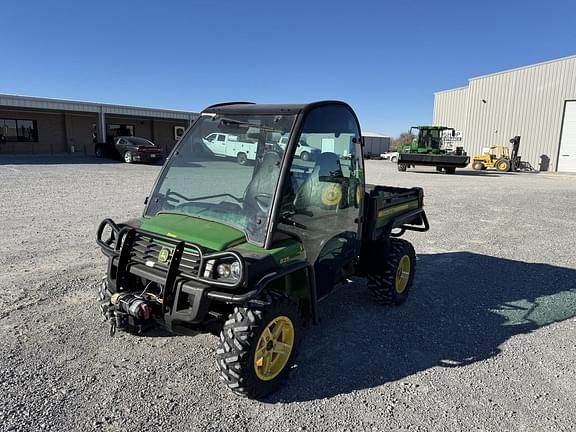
<point x="567" y="157"/>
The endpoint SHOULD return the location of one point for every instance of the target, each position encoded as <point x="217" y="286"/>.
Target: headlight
<point x="235" y="270"/>
<point x="230" y="270"/>
<point x="223" y="270"/>
<point x="226" y="269"/>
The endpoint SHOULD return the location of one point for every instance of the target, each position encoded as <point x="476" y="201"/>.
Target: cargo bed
<point x="389" y="208"/>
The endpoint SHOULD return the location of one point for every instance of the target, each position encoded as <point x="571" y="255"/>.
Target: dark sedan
<point x="131" y="149"/>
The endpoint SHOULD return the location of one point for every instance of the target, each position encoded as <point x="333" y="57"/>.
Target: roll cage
<point x="301" y="111"/>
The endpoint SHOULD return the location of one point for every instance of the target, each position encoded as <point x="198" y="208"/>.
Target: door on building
<point x="567" y="156"/>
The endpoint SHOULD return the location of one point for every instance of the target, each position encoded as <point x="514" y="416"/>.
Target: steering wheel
<point x="263" y="201"/>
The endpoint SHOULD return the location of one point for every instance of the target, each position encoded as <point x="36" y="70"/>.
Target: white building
<point x="537" y="102"/>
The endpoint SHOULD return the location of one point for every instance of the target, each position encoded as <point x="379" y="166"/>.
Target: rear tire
<point x="128" y="157"/>
<point x="449" y="170"/>
<point x="402" y="167"/>
<point x="390" y="276"/>
<point x="253" y="359"/>
<point x="98" y="152"/>
<point x="242" y="159"/>
<point x="305" y="156"/>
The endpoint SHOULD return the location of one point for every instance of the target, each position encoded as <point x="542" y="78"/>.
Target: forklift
<point x="500" y="157"/>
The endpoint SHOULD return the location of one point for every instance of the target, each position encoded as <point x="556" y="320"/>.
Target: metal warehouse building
<point x="375" y="143"/>
<point x="42" y="125"/>
<point x="537" y="102"/>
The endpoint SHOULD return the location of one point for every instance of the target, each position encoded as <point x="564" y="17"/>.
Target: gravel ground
<point x="487" y="340"/>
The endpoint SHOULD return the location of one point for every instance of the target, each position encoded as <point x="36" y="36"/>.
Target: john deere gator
<point x="250" y="251"/>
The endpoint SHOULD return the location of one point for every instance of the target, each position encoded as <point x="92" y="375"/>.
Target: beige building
<point x="50" y="126"/>
<point x="537" y="102"/>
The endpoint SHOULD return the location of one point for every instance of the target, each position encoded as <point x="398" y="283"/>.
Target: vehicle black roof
<point x="253" y="108"/>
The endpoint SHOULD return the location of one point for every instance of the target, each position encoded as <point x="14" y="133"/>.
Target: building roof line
<point x="524" y="67"/>
<point x="452" y="89"/>
<point x="374" y="135"/>
<point x="94" y="104"/>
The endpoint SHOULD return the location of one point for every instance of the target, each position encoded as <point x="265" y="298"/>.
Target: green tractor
<point x="429" y="148"/>
<point x="249" y="251"/>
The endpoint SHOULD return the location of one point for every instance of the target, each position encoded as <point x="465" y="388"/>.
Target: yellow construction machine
<point x="501" y="158"/>
<point x="498" y="156"/>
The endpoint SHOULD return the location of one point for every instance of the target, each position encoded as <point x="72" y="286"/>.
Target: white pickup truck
<point x="303" y="151"/>
<point x="227" y="145"/>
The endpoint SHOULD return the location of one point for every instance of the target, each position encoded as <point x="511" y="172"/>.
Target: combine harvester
<point x="428" y="148"/>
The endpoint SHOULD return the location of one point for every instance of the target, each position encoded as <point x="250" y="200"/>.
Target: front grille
<point x="146" y="250"/>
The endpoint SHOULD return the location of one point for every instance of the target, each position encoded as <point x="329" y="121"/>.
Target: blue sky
<point x="385" y="58"/>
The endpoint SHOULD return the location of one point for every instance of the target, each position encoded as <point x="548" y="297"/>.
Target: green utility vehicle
<point x="431" y="147"/>
<point x="250" y="250"/>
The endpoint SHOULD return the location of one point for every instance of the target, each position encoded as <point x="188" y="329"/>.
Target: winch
<point x="126" y="311"/>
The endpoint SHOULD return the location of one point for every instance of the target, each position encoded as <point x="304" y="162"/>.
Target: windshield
<point x="430" y="138"/>
<point x="225" y="169"/>
<point x="140" y="141"/>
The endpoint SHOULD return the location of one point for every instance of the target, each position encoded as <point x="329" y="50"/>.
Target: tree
<point x="402" y="140"/>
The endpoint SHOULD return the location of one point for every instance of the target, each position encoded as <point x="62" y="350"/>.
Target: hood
<point x="209" y="234"/>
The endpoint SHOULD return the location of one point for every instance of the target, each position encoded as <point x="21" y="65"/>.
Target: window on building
<point x="116" y="130"/>
<point x="18" y="130"/>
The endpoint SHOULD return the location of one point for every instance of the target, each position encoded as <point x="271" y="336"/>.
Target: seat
<point x="323" y="187"/>
<point x="259" y="192"/>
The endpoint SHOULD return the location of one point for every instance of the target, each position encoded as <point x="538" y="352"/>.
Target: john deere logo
<point x="164" y="255"/>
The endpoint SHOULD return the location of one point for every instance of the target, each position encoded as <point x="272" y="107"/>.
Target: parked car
<point x="130" y="149"/>
<point x="391" y="156"/>
<point x="303" y="151"/>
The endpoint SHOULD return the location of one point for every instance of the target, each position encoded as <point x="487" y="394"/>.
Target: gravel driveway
<point x="486" y="341"/>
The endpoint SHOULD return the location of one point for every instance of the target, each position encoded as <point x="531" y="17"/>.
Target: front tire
<point x="305" y="156"/>
<point x="503" y="165"/>
<point x="389" y="282"/>
<point x="402" y="167"/>
<point x="393" y="159"/>
<point x="258" y="346"/>
<point x="128" y="157"/>
<point x="478" y="166"/>
<point x="98" y="152"/>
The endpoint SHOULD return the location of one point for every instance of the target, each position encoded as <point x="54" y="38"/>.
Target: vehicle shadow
<point x="56" y="159"/>
<point x="462" y="172"/>
<point x="463" y="306"/>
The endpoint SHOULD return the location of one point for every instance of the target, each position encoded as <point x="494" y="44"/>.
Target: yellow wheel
<point x="402" y="274"/>
<point x="358" y="195"/>
<point x="258" y="345"/>
<point x="274" y="348"/>
<point x="503" y="165"/>
<point x="331" y="195"/>
<point x="392" y="271"/>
